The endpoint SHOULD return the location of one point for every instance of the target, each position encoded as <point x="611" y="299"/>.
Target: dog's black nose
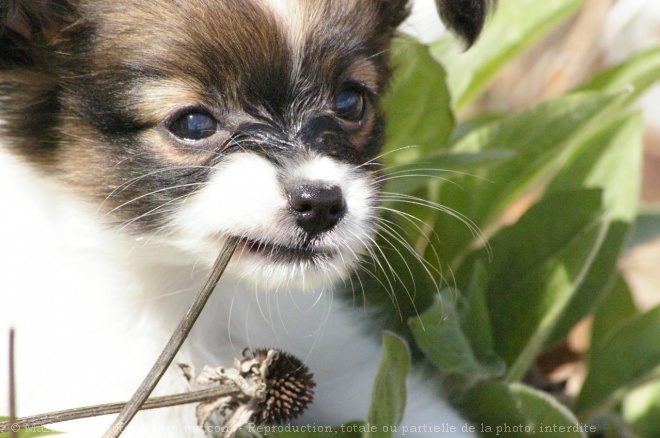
<point x="318" y="208"/>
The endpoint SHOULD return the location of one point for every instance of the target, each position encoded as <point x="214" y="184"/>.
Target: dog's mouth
<point x="277" y="252"/>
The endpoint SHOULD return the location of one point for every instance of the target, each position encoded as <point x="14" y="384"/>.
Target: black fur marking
<point x="465" y="17"/>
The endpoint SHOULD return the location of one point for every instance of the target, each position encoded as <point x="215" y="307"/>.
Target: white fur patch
<point x="280" y="6"/>
<point x="243" y="197"/>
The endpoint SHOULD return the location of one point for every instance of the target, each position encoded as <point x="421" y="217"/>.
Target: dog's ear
<point x="464" y="17"/>
<point x="37" y="21"/>
<point x="395" y="11"/>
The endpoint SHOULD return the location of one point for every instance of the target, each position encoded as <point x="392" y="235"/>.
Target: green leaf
<point x="621" y="360"/>
<point x="540" y="137"/>
<point x="515" y="26"/>
<point x="545" y="414"/>
<point x="409" y="178"/>
<point x="475" y="319"/>
<point x="641" y="409"/>
<point x="439" y="335"/>
<point x="490" y="404"/>
<point x="417" y="106"/>
<point x="645" y="229"/>
<point x="537" y="264"/>
<point x="34" y="432"/>
<point x="465" y="127"/>
<point x="609" y="159"/>
<point x="388" y="399"/>
<point x="640" y="72"/>
<point x="616" y="309"/>
<point x="610" y="424"/>
<point x="596" y="284"/>
<point x="516" y="410"/>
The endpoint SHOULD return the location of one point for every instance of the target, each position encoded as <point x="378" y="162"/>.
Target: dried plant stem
<point x="167" y="355"/>
<point x="12" y="387"/>
<point x="113" y="408"/>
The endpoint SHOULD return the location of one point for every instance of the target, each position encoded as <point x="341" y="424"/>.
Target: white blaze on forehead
<point x="281" y="6"/>
<point x="297" y="17"/>
<point x="291" y="15"/>
<point x="303" y="19"/>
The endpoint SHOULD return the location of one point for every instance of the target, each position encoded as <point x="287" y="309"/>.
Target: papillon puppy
<point x="135" y="137"/>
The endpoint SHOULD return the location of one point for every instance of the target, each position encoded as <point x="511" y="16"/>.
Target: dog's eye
<point x="194" y="126"/>
<point x="350" y="105"/>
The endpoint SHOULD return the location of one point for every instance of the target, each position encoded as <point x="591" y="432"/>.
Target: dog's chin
<point x="286" y="254"/>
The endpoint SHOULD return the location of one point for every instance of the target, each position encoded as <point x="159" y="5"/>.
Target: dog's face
<point x="190" y="121"/>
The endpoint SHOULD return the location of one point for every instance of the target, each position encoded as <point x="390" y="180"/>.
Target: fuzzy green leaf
<point x="544" y="414"/>
<point x="491" y="405"/>
<point x="439" y="335"/>
<point x="417" y="106"/>
<point x="516" y="410"/>
<point x="388" y="398"/>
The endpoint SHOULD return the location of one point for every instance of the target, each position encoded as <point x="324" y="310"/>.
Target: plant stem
<point x="167" y="355"/>
<point x="113" y="408"/>
<point x="12" y="385"/>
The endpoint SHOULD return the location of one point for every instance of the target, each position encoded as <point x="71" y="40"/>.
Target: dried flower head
<point x="270" y="387"/>
<point x="288" y="389"/>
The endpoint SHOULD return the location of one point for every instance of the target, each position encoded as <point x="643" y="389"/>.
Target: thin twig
<point x="12" y="386"/>
<point x="114" y="408"/>
<point x="175" y="342"/>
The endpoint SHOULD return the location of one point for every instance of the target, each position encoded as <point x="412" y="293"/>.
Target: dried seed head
<point x="269" y="387"/>
<point x="288" y="389"/>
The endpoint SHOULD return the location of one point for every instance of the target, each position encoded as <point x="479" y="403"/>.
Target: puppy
<point x="135" y="137"/>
